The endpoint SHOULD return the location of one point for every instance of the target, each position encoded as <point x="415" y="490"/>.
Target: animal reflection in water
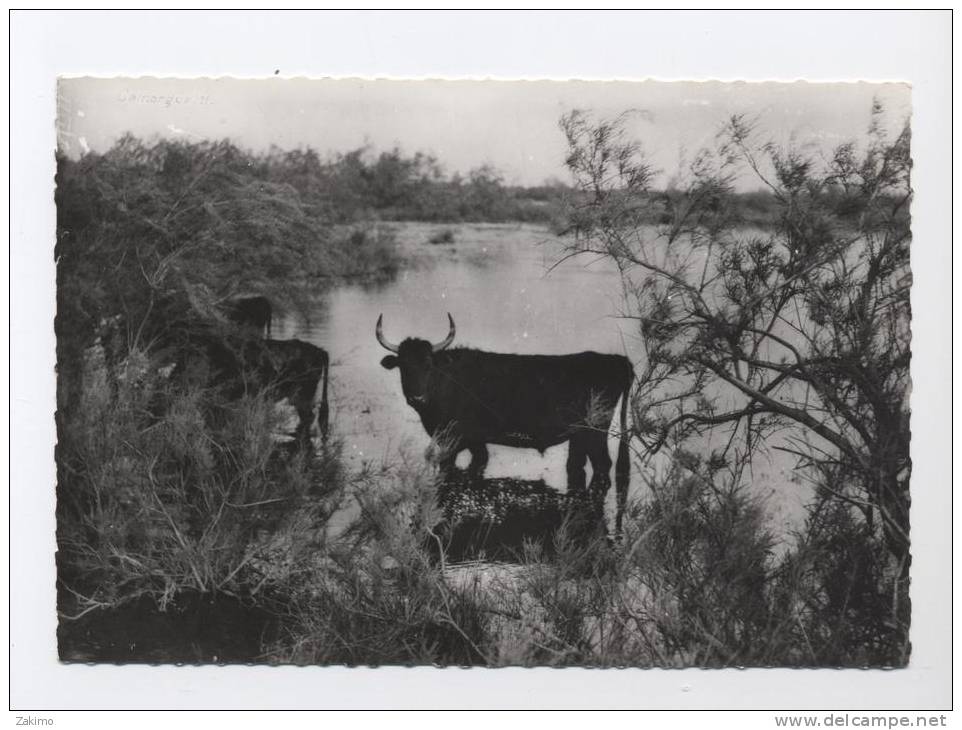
<point x="499" y="519"/>
<point x="469" y="398"/>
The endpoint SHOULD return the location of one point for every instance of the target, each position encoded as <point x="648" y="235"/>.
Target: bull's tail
<point x="323" y="411"/>
<point x="622" y="465"/>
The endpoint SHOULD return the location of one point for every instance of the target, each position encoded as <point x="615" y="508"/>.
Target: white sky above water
<point x="510" y="125"/>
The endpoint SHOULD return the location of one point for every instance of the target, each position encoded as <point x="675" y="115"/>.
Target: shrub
<point x="158" y="506"/>
<point x="445" y="235"/>
<point x="796" y="337"/>
<point x="163" y="233"/>
<point x="363" y="251"/>
<point x="835" y="595"/>
<point x="379" y="599"/>
<point x="703" y="552"/>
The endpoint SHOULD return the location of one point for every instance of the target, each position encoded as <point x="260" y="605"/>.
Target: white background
<point x="820" y="46"/>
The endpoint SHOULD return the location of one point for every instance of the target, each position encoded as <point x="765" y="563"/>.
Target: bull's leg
<point x="600" y="480"/>
<point x="600" y="464"/>
<point x="577" y="457"/>
<point x="479" y="460"/>
<point x="305" y="419"/>
<point x="323" y="420"/>
<point x="304" y="404"/>
<point x="586" y="512"/>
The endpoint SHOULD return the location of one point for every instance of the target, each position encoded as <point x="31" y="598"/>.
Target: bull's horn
<point x="379" y="333"/>
<point x="449" y="339"/>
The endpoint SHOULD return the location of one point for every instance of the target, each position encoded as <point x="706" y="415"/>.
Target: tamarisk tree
<point x="776" y="319"/>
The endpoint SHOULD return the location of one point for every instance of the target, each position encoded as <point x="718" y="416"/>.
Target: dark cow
<point x="289" y="369"/>
<point x="251" y="313"/>
<point x="470" y="398"/>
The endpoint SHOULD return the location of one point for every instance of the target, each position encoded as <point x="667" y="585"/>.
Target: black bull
<point x="469" y="398"/>
<point x="254" y="313"/>
<point x="289" y="369"/>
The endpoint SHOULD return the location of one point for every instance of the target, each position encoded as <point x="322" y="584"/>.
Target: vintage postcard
<point x="483" y="373"/>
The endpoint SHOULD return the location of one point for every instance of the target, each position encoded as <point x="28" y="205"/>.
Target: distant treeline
<point x="360" y="184"/>
<point x="392" y="186"/>
<point x="364" y="186"/>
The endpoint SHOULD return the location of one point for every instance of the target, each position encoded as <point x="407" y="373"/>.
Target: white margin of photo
<point x="912" y="46"/>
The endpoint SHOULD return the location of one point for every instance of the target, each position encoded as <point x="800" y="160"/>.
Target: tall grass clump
<point x="379" y="598"/>
<point x="165" y="492"/>
<point x="701" y="551"/>
<point x="836" y="595"/>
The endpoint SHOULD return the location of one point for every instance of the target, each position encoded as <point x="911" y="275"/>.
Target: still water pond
<point x="509" y="289"/>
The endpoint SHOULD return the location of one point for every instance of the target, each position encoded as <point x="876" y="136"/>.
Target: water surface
<point x="510" y="288"/>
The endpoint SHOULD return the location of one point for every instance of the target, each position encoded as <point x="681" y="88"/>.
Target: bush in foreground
<point x="167" y="493"/>
<point x="187" y="536"/>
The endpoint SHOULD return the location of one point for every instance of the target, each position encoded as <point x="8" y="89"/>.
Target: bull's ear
<point x="389" y="362"/>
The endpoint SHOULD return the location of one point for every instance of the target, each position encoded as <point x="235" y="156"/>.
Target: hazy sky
<point x="511" y="125"/>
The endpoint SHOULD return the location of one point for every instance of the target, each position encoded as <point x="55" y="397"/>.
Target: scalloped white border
<point x="822" y="46"/>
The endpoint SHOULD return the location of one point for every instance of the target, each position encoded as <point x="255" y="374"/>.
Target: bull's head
<point x="415" y="358"/>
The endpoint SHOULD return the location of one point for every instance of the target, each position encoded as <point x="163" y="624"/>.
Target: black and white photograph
<point x="376" y="372"/>
<point x="501" y="360"/>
